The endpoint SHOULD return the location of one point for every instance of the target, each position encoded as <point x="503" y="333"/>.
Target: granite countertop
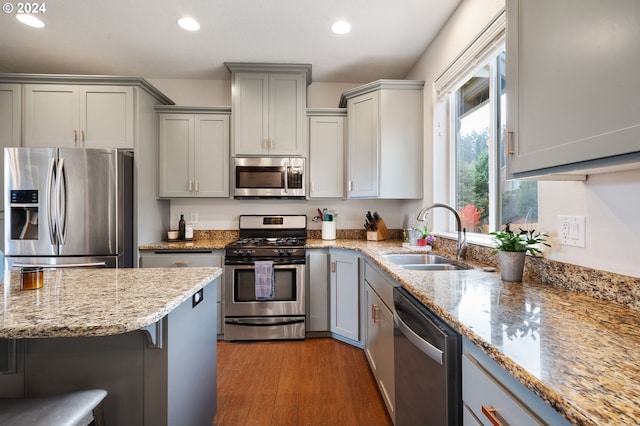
<point x="96" y="302"/>
<point x="577" y="353"/>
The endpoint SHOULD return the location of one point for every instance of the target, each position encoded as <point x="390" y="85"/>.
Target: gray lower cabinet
<point x="378" y="347"/>
<point x="490" y="393"/>
<point x="345" y="296"/>
<point x="184" y="259"/>
<point x="317" y="290"/>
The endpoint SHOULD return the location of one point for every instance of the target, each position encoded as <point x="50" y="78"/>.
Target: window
<point x="473" y="92"/>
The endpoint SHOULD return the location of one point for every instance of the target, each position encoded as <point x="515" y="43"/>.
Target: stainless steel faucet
<point x="461" y="249"/>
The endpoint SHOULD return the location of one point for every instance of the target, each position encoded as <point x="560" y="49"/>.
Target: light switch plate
<point x="571" y="230"/>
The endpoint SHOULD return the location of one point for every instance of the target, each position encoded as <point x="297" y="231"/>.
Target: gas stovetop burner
<point x="267" y="242"/>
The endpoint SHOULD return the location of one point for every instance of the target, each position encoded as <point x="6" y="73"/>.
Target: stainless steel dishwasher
<point x="427" y="365"/>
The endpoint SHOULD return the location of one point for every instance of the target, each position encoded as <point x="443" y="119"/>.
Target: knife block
<point x="381" y="234"/>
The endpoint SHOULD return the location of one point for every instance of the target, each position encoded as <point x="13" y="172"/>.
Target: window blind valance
<point x="490" y="39"/>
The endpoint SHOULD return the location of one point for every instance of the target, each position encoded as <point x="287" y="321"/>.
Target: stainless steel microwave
<point x="268" y="177"/>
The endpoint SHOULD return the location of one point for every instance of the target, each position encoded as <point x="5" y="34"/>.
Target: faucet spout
<point x="461" y="248"/>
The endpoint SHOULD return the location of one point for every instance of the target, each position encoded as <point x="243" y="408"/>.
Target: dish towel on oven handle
<point x="264" y="279"/>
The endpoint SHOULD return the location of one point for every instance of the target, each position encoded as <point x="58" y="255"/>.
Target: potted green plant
<point x="424" y="237"/>
<point x="512" y="250"/>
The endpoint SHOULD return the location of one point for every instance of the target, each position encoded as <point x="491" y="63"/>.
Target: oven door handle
<point x="252" y="323"/>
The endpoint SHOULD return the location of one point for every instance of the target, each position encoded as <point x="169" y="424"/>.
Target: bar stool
<point x="80" y="408"/>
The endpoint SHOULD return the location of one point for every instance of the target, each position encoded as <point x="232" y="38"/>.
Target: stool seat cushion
<point x="69" y="409"/>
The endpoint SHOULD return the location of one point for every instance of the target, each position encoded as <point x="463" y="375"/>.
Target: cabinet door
<point x="379" y="346"/>
<point x="286" y="114"/>
<point x="326" y="157"/>
<point x="363" y="146"/>
<point x="175" y="155"/>
<point x="250" y="113"/>
<point x="345" y="296"/>
<point x="572" y="91"/>
<point x="106" y="117"/>
<point x="318" y="290"/>
<point x="211" y="152"/>
<point x="51" y="115"/>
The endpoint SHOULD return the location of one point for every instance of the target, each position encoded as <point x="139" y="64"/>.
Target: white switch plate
<point x="571" y="230"/>
<point x="194" y="218"/>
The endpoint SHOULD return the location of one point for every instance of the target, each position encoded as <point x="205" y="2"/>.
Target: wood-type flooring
<point x="318" y="381"/>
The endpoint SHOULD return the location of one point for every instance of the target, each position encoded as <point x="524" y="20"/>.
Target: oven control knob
<point x="290" y="252"/>
<point x="250" y="252"/>
<point x="278" y="252"/>
<point x="238" y="252"/>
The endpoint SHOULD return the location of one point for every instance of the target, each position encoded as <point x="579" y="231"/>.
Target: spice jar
<point x="31" y="278"/>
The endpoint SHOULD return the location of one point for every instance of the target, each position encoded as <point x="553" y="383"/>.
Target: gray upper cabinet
<point x="573" y="98"/>
<point x="193" y="152"/>
<point x="326" y="152"/>
<point x="385" y="140"/>
<point x="59" y="115"/>
<point x="269" y="109"/>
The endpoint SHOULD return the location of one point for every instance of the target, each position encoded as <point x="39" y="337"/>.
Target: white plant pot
<point x="511" y="265"/>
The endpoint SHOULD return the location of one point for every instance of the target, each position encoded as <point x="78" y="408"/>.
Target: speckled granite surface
<point x="579" y="350"/>
<point x="96" y="302"/>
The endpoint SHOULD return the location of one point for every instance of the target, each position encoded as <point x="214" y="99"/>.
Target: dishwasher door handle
<point x="424" y="346"/>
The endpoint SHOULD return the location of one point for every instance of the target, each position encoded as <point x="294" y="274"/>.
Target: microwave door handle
<point x="286" y="177"/>
<point x="51" y="181"/>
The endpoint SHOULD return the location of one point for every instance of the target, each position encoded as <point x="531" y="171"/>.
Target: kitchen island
<point x="147" y="336"/>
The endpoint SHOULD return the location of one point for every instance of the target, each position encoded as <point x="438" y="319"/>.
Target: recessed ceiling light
<point x="189" y="24"/>
<point x="341" y="27"/>
<point x="29" y="20"/>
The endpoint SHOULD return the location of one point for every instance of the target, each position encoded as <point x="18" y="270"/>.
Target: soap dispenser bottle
<point x="181" y="228"/>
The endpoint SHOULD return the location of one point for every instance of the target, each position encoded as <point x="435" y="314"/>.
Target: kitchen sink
<point x="434" y="267"/>
<point x="417" y="259"/>
<point x="425" y="262"/>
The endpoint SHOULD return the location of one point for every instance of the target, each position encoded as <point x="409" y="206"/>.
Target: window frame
<point x="483" y="50"/>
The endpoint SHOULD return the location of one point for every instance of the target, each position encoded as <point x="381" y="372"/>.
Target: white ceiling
<point x="141" y="38"/>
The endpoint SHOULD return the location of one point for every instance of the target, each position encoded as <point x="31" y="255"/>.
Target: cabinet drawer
<point x="172" y="259"/>
<point x="380" y="284"/>
<point x="480" y="389"/>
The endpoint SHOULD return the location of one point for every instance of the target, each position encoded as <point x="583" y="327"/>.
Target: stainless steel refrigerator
<point x="68" y="207"/>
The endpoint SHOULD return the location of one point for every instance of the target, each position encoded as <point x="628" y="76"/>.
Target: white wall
<point x="610" y="202"/>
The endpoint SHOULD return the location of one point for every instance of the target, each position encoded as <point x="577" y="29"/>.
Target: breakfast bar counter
<point x="147" y="336"/>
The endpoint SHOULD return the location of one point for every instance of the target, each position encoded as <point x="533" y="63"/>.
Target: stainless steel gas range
<point x="264" y="273"/>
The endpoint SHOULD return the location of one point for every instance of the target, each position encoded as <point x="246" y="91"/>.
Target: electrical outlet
<point x="194" y="218"/>
<point x="571" y="230"/>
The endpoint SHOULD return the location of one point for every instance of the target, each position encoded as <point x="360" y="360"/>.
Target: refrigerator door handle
<point x="61" y="202"/>
<point x="51" y="181"/>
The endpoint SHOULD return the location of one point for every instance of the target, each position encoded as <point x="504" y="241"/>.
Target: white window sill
<point x="472" y="238"/>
